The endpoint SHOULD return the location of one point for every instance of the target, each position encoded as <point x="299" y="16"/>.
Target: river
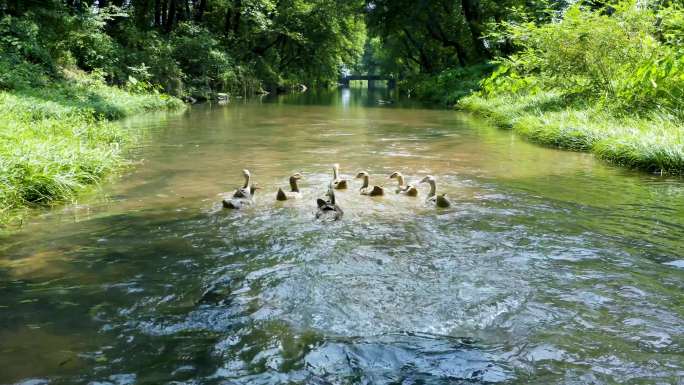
<point x="550" y="268"/>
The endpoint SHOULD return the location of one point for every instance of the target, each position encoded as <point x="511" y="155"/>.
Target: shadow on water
<point x="550" y="268"/>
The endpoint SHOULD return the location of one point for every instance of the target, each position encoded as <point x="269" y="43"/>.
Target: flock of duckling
<point x="328" y="209"/>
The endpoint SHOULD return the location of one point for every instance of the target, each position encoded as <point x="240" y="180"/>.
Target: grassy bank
<point x="603" y="79"/>
<point x="56" y="139"/>
<point x="449" y="86"/>
<point x="653" y="143"/>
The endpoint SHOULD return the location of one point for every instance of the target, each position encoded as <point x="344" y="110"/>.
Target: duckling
<point x="366" y="189"/>
<point x="433" y="198"/>
<point x="338" y="183"/>
<point x="294" y="189"/>
<point x="244" y="191"/>
<point x="241" y="202"/>
<point x="328" y="210"/>
<point x="402" y="188"/>
<point x="243" y="196"/>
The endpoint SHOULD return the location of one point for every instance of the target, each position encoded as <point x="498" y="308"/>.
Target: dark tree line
<point x="195" y="46"/>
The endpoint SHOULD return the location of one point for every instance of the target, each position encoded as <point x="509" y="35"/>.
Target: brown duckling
<point x="338" y="183"/>
<point x="366" y="189"/>
<point x="406" y="189"/>
<point x="328" y="210"/>
<point x="294" y="189"/>
<point x="432" y="198"/>
<point x="243" y="196"/>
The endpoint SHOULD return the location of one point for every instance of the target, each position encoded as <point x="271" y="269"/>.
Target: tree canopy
<point x="200" y="46"/>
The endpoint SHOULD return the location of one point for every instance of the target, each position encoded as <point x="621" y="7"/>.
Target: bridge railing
<point x="346" y="80"/>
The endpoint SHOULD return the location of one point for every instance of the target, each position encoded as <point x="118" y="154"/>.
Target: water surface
<point x="550" y="268"/>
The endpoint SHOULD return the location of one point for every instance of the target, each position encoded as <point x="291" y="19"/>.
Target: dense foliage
<point x="190" y="47"/>
<point x="631" y="59"/>
<point x="614" y="86"/>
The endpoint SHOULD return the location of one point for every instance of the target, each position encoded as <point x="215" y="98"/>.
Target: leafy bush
<point x="450" y="85"/>
<point x="610" y="81"/>
<point x="205" y="65"/>
<point x="23" y="61"/>
<point x="630" y="58"/>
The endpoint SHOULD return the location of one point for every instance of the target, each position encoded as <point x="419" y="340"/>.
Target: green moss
<point x="57" y="139"/>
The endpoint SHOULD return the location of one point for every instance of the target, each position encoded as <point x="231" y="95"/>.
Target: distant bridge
<point x="345" y="80"/>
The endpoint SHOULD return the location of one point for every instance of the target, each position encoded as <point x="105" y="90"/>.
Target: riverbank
<point x="652" y="143"/>
<point x="58" y="138"/>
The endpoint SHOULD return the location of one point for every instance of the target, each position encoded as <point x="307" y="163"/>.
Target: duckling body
<point x="402" y="188"/>
<point x="244" y="191"/>
<point x="338" y="183"/>
<point x="294" y="189"/>
<point x="328" y="210"/>
<point x="366" y="189"/>
<point x="237" y="203"/>
<point x="243" y="196"/>
<point x="442" y="200"/>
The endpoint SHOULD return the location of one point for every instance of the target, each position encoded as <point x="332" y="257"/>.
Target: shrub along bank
<point x="57" y="137"/>
<point x="608" y="80"/>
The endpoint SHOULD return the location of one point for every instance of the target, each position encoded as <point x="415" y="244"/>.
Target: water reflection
<point x="551" y="267"/>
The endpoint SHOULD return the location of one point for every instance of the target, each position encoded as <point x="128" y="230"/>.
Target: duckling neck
<point x="335" y="172"/>
<point x="433" y="189"/>
<point x="247" y="178"/>
<point x="400" y="180"/>
<point x="293" y="185"/>
<point x="365" y="181"/>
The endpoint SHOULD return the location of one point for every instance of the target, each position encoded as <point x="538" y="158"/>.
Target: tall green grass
<point x="607" y="80"/>
<point x="653" y="142"/>
<point x="55" y="140"/>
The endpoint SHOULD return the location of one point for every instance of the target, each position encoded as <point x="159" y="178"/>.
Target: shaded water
<point x="550" y="268"/>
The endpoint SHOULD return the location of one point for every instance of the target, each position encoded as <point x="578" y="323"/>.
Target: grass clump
<point x="653" y="143"/>
<point x="605" y="80"/>
<point x="56" y="139"/>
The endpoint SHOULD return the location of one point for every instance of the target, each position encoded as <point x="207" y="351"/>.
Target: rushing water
<point x="551" y="268"/>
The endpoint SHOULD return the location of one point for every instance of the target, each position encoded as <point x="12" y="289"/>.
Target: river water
<point x="550" y="268"/>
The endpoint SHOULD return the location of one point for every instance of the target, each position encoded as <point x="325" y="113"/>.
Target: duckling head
<point x="293" y="181"/>
<point x="433" y="185"/>
<point x="398" y="176"/>
<point x="362" y="174"/>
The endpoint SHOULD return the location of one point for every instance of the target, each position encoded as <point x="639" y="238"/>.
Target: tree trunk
<point x="199" y="13"/>
<point x="170" y="18"/>
<point x="157" y="13"/>
<point x="164" y="15"/>
<point x="238" y="13"/>
<point x="472" y="15"/>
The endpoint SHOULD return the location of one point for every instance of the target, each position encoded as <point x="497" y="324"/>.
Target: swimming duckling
<point x="294" y="189"/>
<point x="243" y="196"/>
<point x="433" y="198"/>
<point x="402" y="188"/>
<point x="328" y="210"/>
<point x="338" y="183"/>
<point x="366" y="189"/>
<point x="244" y="191"/>
<point x="241" y="202"/>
